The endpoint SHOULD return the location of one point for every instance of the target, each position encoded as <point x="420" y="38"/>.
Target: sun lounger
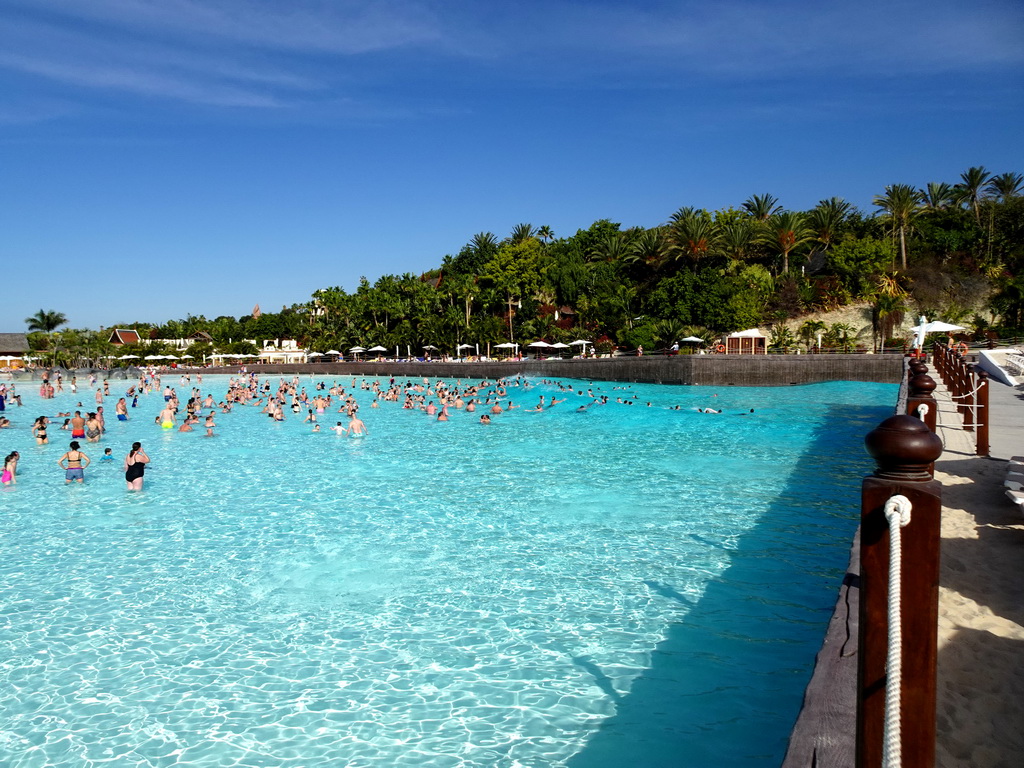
<point x="1017" y="497"/>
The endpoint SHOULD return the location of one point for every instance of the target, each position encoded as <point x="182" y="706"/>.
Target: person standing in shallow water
<point x="135" y="467"/>
<point x="76" y="462"/>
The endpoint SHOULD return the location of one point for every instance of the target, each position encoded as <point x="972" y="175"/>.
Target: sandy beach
<point x="980" y="676"/>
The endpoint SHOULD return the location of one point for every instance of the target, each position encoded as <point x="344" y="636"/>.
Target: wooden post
<point x="982" y="417"/>
<point x="902" y="447"/>
<point x="920" y="388"/>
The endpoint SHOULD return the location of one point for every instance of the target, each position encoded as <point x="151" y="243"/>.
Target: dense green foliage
<point x="949" y="250"/>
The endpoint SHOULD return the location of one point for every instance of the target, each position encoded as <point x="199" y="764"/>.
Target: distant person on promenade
<point x="73" y="462"/>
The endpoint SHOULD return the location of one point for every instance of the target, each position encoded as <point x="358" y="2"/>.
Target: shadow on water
<point x="725" y="685"/>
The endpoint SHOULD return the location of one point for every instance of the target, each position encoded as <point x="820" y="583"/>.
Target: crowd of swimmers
<point x="438" y="400"/>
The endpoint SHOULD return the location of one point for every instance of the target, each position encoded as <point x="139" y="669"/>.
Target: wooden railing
<point x="968" y="387"/>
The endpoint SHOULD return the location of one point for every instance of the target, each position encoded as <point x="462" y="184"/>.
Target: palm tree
<point x="902" y="203"/>
<point x="693" y="236"/>
<point x="545" y="233"/>
<point x="1005" y="186"/>
<point x="938" y="195"/>
<point x="46" y="321"/>
<point x="484" y="244"/>
<point x="762" y="207"/>
<point x="826" y="218"/>
<point x="521" y="233"/>
<point x="972" y="188"/>
<point x="737" y="239"/>
<point x="648" y="248"/>
<point x="611" y="248"/>
<point x="787" y="230"/>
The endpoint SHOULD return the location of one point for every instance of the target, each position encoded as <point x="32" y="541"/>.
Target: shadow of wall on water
<point x="725" y="685"/>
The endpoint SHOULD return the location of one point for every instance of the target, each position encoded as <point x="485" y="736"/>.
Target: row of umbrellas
<point x="460" y="347"/>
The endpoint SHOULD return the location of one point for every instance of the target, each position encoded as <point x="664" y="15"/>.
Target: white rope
<point x="969" y="394"/>
<point x="897" y="513"/>
<point x="922" y="411"/>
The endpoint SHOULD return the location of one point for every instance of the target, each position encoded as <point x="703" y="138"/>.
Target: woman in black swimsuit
<point x="135" y="467"/>
<point x="39" y="431"/>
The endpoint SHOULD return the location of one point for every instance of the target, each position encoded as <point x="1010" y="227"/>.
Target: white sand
<point x="980" y="674"/>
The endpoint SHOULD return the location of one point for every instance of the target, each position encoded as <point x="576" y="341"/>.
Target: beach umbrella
<point x="464" y="346"/>
<point x="378" y="348"/>
<point x="693" y="339"/>
<point x="505" y="345"/>
<point x="187" y="357"/>
<point x="153" y="357"/>
<point x="538" y="344"/>
<point x="332" y="352"/>
<point x="559" y="345"/>
<point x="429" y="346"/>
<point x="579" y="342"/>
<point x="170" y="357"/>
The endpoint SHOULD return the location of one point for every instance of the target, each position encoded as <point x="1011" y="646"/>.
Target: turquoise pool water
<point x="558" y="588"/>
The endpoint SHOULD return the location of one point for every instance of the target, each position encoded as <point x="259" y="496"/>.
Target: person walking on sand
<point x="76" y="462"/>
<point x="135" y="467"/>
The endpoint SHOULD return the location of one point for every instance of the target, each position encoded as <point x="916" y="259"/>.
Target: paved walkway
<point x="979" y="675"/>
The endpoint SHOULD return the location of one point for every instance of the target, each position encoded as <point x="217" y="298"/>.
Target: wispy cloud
<point x="267" y="53"/>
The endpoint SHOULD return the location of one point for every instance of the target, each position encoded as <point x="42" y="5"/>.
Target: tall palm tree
<point x="737" y="239"/>
<point x="762" y="207"/>
<point x="46" y="321"/>
<point x="1005" y="186"/>
<point x="826" y="218"/>
<point x="521" y="233"/>
<point x="545" y="233"/>
<point x="938" y="195"/>
<point x="693" y="236"/>
<point x="785" y="231"/>
<point x="902" y="203"/>
<point x="972" y="188"/>
<point x="648" y="248"/>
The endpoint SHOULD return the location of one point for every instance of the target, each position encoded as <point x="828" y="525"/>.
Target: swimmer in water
<point x="356" y="427"/>
<point x="76" y="462"/>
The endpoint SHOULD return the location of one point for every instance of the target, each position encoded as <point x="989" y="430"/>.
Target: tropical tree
<point x="545" y="233"/>
<point x="648" y="248"/>
<point x="1005" y="185"/>
<point x="938" y="196"/>
<point x="971" y="188"/>
<point x="902" y="204"/>
<point x="737" y="239"/>
<point x="786" y="231"/>
<point x="762" y="207"/>
<point x="693" y="236"/>
<point x="46" y="321"/>
<point x="826" y="218"/>
<point x="522" y="233"/>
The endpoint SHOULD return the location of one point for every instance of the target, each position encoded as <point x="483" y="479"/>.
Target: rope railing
<point x="897" y="513"/>
<point x="899" y="606"/>
<point x="968" y="389"/>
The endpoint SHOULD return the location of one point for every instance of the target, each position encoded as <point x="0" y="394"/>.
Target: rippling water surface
<point x="630" y="584"/>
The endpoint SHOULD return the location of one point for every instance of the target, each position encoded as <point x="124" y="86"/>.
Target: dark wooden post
<point x="921" y="387"/>
<point x="903" y="447"/>
<point x="982" y="417"/>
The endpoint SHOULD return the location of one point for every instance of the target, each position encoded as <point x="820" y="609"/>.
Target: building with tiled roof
<point x="119" y="336"/>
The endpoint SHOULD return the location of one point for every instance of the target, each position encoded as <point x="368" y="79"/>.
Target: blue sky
<point x="167" y="157"/>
